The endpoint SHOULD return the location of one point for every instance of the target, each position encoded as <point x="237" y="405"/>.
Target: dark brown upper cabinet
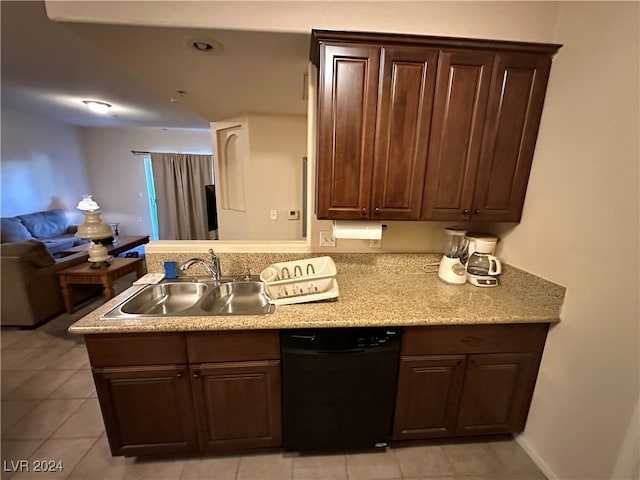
<point x="405" y="99"/>
<point x="514" y="108"/>
<point x="456" y="136"/>
<point x="486" y="120"/>
<point x="426" y="128"/>
<point x="347" y="111"/>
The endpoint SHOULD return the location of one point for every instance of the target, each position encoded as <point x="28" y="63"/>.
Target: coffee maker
<point x="451" y="269"/>
<point x="483" y="268"/>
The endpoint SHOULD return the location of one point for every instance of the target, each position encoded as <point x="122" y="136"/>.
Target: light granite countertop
<point x="370" y="299"/>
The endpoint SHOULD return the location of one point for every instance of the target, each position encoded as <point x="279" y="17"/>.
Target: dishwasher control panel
<point x="340" y="339"/>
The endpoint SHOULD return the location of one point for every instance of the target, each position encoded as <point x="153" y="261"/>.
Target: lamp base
<point x="99" y="256"/>
<point x="100" y="264"/>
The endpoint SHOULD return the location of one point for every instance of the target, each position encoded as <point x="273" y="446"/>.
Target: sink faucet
<point x="212" y="265"/>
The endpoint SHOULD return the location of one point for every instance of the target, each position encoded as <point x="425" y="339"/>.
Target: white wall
<point x="117" y="176"/>
<point x="42" y="165"/>
<point x="580" y="229"/>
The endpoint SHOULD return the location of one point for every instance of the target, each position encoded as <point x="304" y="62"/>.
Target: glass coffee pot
<point x="483" y="267"/>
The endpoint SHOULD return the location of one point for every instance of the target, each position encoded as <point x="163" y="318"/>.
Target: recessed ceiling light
<point x="97" y="107"/>
<point x="204" y="45"/>
<point x="181" y="95"/>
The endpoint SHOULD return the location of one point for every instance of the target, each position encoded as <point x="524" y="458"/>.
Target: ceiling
<point x="152" y="76"/>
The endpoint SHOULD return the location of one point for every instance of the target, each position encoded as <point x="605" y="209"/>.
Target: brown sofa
<point x="29" y="290"/>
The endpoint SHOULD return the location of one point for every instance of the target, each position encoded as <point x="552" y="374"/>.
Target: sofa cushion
<point x="32" y="251"/>
<point x="57" y="245"/>
<point x="12" y="230"/>
<point x="46" y="224"/>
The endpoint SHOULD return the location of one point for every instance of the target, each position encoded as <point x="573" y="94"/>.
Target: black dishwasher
<point x="339" y="387"/>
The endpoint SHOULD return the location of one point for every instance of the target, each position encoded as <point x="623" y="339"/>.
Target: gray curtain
<point x="179" y="180"/>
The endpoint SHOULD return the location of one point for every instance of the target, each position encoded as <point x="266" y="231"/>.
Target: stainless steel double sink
<point x="195" y="298"/>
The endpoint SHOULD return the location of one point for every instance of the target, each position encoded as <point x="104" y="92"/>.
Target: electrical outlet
<point x="327" y="239"/>
<point x="375" y="243"/>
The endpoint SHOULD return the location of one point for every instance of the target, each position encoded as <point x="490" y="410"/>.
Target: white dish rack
<point x="300" y="281"/>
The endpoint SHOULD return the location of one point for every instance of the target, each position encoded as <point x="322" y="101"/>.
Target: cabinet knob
<point x="476" y="211"/>
<point x="196" y="374"/>
<point x="364" y="212"/>
<point x="460" y="363"/>
<point x="179" y="374"/>
<point x="465" y="211"/>
<point x="377" y="211"/>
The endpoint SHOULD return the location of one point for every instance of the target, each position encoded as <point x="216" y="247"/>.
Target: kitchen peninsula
<point x="213" y="384"/>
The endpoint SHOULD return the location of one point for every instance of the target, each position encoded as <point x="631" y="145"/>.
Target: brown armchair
<point x="29" y="290"/>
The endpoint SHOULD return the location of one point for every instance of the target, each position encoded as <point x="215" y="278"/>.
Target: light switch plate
<point x="274" y="214"/>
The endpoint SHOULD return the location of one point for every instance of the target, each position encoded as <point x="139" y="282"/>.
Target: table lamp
<point x="94" y="229"/>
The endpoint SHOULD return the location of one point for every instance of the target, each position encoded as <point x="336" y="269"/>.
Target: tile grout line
<point x="83" y="456"/>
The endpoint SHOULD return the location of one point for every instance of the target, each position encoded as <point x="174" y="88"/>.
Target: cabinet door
<point x="405" y="102"/>
<point x="428" y="394"/>
<point x="238" y="404"/>
<point x="513" y="116"/>
<point x="497" y="392"/>
<point x="146" y="410"/>
<point x="347" y="95"/>
<point x="456" y="134"/>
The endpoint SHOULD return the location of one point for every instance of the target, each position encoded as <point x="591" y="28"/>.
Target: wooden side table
<point x="122" y="244"/>
<point x="105" y="276"/>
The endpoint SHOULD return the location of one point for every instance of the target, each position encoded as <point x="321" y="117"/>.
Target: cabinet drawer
<point x="233" y="346"/>
<point x="474" y="339"/>
<point x="124" y="349"/>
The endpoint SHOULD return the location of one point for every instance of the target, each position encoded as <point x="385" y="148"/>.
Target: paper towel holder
<point x="358" y="229"/>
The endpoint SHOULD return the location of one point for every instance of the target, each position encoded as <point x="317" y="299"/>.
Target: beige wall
<point x="580" y="229"/>
<point x="527" y="21"/>
<point x="272" y="168"/>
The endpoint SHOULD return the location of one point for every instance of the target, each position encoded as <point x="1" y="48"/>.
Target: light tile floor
<point x="50" y="412"/>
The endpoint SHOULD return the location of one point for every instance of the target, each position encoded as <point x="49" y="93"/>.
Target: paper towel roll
<point x="357" y="229"/>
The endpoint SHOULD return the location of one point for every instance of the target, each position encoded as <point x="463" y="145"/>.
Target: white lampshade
<point x="87" y="204"/>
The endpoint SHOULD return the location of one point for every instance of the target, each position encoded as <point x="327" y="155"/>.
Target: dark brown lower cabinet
<point x="428" y="395"/>
<point x="237" y="404"/>
<point x="466" y="380"/>
<point x="496" y="393"/>
<point x="219" y="391"/>
<point x="147" y="410"/>
<point x="195" y="392"/>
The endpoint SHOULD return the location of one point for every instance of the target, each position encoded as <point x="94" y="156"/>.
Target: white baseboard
<point x="537" y="459"/>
